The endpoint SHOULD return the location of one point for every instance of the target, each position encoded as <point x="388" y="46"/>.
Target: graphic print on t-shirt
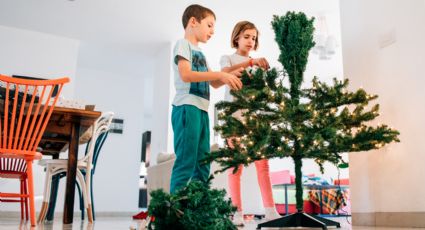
<point x="199" y="64"/>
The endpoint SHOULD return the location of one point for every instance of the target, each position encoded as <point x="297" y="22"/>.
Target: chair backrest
<point x="99" y="143"/>
<point x="99" y="134"/>
<point x="25" y="109"/>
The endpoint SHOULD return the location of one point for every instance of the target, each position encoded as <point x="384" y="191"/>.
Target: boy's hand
<point x="261" y="62"/>
<point x="232" y="80"/>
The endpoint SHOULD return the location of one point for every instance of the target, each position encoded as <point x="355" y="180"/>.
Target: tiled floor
<point x="106" y="223"/>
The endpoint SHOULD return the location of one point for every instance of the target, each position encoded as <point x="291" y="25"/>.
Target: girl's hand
<point x="238" y="72"/>
<point x="231" y="140"/>
<point x="261" y="62"/>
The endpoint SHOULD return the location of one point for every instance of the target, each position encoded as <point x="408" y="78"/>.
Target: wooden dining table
<point x="63" y="132"/>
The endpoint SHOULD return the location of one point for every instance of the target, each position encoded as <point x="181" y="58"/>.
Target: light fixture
<point x="325" y="42"/>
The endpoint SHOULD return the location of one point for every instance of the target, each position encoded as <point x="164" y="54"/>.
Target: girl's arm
<point x="187" y="75"/>
<point x="260" y="62"/>
<point x="243" y="65"/>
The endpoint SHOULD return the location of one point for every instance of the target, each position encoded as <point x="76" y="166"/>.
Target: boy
<point x="190" y="106"/>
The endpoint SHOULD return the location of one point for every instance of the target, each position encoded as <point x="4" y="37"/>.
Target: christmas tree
<point x="282" y="119"/>
<point x="194" y="207"/>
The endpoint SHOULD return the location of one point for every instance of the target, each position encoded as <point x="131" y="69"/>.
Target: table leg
<point x="68" y="212"/>
<point x="286" y="199"/>
<point x="321" y="201"/>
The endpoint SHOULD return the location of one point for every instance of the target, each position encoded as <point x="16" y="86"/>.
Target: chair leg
<point x="44" y="205"/>
<point x="46" y="196"/>
<point x="43" y="212"/>
<point x="26" y="199"/>
<point x="80" y="194"/>
<point x="89" y="214"/>
<point x="91" y="198"/>
<point x="53" y="197"/>
<point x="31" y="192"/>
<point x="85" y="195"/>
<point x="22" y="198"/>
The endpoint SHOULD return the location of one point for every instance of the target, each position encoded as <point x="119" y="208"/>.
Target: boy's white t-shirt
<point x="190" y="93"/>
<point x="228" y="61"/>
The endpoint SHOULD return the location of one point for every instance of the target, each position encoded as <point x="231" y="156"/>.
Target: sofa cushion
<point x="163" y="157"/>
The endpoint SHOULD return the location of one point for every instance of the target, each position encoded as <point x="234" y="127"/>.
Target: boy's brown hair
<point x="240" y="27"/>
<point x="197" y="11"/>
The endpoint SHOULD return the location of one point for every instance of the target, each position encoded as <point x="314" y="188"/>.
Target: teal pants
<point x="191" y="144"/>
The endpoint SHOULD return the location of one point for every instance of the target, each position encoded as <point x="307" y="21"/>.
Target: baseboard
<point x="116" y="214"/>
<point x="13" y="214"/>
<point x="390" y="219"/>
<point x="363" y="219"/>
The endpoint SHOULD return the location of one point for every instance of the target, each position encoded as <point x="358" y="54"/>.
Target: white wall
<point x="147" y="78"/>
<point x="24" y="52"/>
<point x="113" y="81"/>
<point x="390" y="179"/>
<point x="261" y="15"/>
<point x="29" y="53"/>
<point x="160" y="95"/>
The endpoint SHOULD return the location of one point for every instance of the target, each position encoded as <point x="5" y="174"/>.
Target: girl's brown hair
<point x="240" y="27"/>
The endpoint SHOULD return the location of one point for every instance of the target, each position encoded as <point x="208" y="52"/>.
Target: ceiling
<point x="132" y="24"/>
<point x="120" y="22"/>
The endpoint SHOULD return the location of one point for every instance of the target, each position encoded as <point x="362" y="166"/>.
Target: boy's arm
<point x="187" y="75"/>
<point x="216" y="84"/>
<point x="261" y="62"/>
<point x="235" y="71"/>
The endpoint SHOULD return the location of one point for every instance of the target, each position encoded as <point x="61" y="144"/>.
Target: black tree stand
<point x="300" y="219"/>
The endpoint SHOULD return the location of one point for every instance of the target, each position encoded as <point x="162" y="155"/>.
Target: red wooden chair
<point x="25" y="109"/>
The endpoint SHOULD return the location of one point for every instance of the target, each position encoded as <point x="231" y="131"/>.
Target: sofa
<point x="159" y="175"/>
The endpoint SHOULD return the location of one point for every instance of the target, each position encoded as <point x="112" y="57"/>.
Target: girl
<point x="244" y="39"/>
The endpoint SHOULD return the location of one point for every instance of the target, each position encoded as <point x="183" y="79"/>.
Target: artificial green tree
<point x="194" y="207"/>
<point x="282" y="119"/>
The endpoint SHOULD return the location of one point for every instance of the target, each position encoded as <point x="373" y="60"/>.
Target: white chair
<point x="84" y="166"/>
